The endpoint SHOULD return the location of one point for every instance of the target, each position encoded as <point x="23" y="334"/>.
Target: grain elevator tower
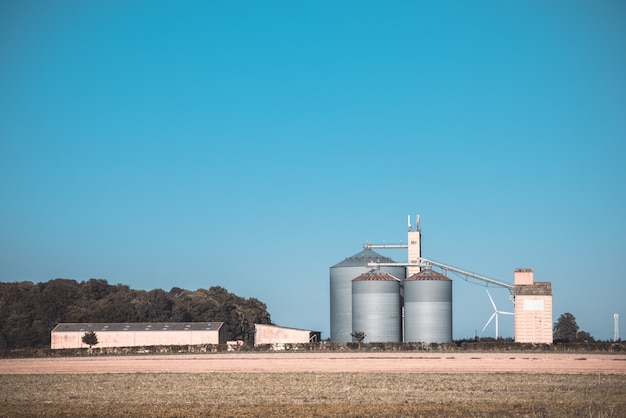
<point x="533" y="308"/>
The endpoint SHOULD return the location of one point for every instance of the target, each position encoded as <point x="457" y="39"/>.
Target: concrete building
<point x="69" y="335"/>
<point x="533" y="308"/>
<point x="279" y="336"/>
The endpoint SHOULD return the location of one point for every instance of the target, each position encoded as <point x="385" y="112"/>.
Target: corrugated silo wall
<point x="341" y="298"/>
<point x="428" y="311"/>
<point x="377" y="310"/>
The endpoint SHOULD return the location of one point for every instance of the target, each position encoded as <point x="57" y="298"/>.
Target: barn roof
<point x="137" y="326"/>
<point x="536" y="289"/>
<point x="278" y="326"/>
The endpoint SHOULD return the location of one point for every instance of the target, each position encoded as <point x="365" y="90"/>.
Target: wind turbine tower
<point x="495" y="314"/>
<point x="616" y="329"/>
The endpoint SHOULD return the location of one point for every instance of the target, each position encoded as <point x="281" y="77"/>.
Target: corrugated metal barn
<point x="70" y="335"/>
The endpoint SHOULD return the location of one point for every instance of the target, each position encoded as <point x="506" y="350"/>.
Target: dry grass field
<point x="165" y="386"/>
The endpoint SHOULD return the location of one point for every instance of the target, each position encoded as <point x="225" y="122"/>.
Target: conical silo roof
<point x="363" y="258"/>
<point x="427" y="274"/>
<point x="377" y="275"/>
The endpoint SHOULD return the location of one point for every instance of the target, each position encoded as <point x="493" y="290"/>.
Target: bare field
<point x="288" y="362"/>
<point x="317" y="384"/>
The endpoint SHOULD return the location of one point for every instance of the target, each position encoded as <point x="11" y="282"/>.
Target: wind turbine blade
<point x="506" y="313"/>
<point x="490" y="318"/>
<point x="492" y="302"/>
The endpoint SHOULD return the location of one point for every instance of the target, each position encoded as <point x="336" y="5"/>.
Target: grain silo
<point x="377" y="306"/>
<point x="428" y="308"/>
<point x="341" y="275"/>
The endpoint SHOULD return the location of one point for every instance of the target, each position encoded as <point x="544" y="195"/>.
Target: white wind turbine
<point x="495" y="314"/>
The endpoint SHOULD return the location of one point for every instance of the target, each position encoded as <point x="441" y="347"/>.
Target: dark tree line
<point x="28" y="312"/>
<point x="566" y="330"/>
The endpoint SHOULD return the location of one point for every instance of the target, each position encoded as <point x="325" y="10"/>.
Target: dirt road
<point x="450" y="362"/>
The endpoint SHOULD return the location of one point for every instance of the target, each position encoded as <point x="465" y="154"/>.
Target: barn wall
<point x="138" y="338"/>
<point x="268" y="334"/>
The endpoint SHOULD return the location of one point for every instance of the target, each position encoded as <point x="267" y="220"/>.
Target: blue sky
<point x="252" y="145"/>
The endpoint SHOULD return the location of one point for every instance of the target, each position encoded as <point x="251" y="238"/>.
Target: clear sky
<point x="252" y="145"/>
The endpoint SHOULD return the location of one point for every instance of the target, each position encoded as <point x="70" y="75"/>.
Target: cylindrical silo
<point x="377" y="307"/>
<point x="341" y="275"/>
<point x="428" y="308"/>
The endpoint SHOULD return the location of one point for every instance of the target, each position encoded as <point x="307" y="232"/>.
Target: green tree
<point x="28" y="312"/>
<point x="90" y="338"/>
<point x="584" y="337"/>
<point x="359" y="336"/>
<point x="565" y="328"/>
<point x="153" y="306"/>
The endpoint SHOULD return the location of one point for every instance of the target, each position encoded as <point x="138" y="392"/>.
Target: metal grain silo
<point x="428" y="308"/>
<point x="377" y="306"/>
<point x="341" y="275"/>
